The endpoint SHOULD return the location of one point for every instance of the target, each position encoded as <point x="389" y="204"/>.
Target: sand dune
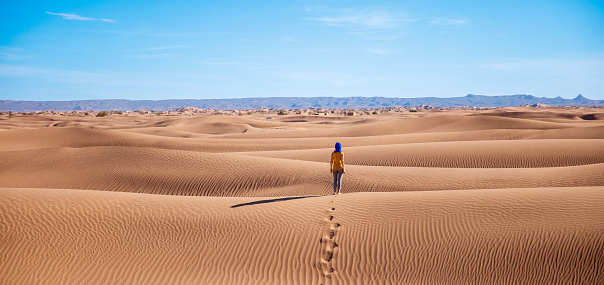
<point x="196" y="173"/>
<point x="430" y="124"/>
<point x="468" y="154"/>
<point x="503" y="236"/>
<point x="512" y="195"/>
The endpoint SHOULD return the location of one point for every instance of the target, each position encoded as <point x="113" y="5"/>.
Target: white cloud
<point x="447" y="21"/>
<point x="373" y="19"/>
<point x="373" y="24"/>
<point x="67" y="16"/>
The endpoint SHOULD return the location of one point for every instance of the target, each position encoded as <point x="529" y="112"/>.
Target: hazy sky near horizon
<point x="68" y="50"/>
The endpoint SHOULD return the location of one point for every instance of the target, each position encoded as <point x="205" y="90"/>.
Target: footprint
<point x="328" y="256"/>
<point x="335" y="245"/>
<point x="331" y="270"/>
<point x="330" y="218"/>
<point x="331" y="234"/>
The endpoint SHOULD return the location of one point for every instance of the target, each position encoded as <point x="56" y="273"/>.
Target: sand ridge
<point x="465" y="154"/>
<point x="226" y="174"/>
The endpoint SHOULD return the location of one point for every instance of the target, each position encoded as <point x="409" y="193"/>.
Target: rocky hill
<point x="292" y="103"/>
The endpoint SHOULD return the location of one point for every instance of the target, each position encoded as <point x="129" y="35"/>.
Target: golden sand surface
<point x="505" y="196"/>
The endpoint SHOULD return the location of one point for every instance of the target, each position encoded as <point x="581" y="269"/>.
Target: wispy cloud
<point x="67" y="16"/>
<point x="370" y="20"/>
<point x="447" y="21"/>
<point x="364" y="19"/>
<point x="371" y="23"/>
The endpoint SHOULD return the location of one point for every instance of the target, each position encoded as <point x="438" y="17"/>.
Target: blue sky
<point x="67" y="50"/>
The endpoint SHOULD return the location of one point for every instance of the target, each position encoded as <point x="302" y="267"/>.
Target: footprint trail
<point x="329" y="245"/>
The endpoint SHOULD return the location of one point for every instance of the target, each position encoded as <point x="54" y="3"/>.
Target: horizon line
<point x="285" y="97"/>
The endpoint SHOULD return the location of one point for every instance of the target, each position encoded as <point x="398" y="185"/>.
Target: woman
<point x="337" y="168"/>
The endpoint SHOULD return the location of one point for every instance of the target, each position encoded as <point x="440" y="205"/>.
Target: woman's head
<point x="338" y="147"/>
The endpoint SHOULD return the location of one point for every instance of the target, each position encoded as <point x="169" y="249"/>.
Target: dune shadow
<point x="271" y="201"/>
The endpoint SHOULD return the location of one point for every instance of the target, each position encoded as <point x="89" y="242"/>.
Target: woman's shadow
<point x="272" y="200"/>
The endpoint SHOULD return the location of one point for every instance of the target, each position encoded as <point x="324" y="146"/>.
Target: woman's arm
<point x="343" y="171"/>
<point x="331" y="164"/>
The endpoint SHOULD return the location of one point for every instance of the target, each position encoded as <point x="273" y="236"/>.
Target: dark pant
<point x="337" y="180"/>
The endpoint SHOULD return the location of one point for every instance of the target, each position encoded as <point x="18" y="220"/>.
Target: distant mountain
<point x="291" y="103"/>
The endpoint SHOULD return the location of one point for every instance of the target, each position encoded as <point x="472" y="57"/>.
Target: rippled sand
<point x="513" y="195"/>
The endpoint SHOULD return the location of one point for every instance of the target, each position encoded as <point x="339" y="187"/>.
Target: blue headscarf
<point x="338" y="147"/>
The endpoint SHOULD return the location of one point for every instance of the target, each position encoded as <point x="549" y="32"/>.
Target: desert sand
<point x="505" y="196"/>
